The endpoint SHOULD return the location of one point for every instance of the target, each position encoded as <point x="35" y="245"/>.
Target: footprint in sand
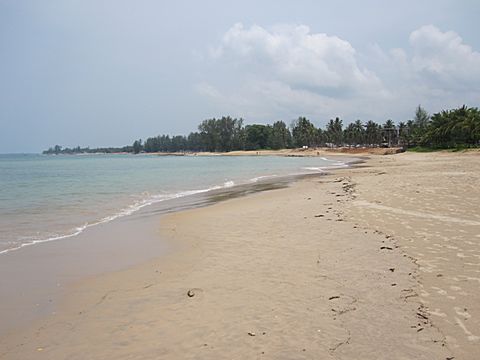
<point x="440" y="291"/>
<point x="462" y="312"/>
<point x="438" y="312"/>
<point x="455" y="288"/>
<point x="424" y="293"/>
<point x="470" y="336"/>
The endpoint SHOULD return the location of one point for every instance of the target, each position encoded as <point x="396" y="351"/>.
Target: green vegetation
<point x="57" y="149"/>
<point x="448" y="129"/>
<point x="453" y="128"/>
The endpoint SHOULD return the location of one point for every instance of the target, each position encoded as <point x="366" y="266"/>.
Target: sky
<point x="104" y="73"/>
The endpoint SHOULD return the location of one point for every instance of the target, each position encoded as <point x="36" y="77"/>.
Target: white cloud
<point x="444" y="59"/>
<point x="437" y="70"/>
<point x="298" y="58"/>
<point x="288" y="71"/>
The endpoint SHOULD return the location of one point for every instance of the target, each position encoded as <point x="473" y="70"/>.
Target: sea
<point x="53" y="197"/>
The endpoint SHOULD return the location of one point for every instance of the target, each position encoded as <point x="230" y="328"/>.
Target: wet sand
<point x="380" y="261"/>
<point x="36" y="277"/>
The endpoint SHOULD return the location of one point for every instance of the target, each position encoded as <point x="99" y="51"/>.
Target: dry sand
<point x="430" y="205"/>
<point x="377" y="262"/>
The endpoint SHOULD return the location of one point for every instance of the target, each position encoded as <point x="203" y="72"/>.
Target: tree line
<point x="57" y="149"/>
<point x="447" y="129"/>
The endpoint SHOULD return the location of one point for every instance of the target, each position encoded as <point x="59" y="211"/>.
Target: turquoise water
<point x="45" y="198"/>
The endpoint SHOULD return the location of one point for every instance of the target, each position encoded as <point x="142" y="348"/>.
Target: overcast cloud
<point x="101" y="73"/>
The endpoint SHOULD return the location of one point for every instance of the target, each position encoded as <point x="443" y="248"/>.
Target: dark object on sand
<point x="420" y="315"/>
<point x="191" y="293"/>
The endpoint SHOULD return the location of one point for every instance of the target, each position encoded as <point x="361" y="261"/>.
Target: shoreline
<point x="138" y="205"/>
<point x="41" y="285"/>
<point x="307" y="277"/>
<point x="34" y="291"/>
<point x="294" y="152"/>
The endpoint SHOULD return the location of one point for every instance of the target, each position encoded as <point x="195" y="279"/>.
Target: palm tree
<point x="335" y="131"/>
<point x="359" y="132"/>
<point x="349" y="134"/>
<point x="451" y="128"/>
<point x="372" y="133"/>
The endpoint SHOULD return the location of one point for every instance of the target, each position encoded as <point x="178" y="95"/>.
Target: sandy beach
<point x="307" y="152"/>
<point x="377" y="261"/>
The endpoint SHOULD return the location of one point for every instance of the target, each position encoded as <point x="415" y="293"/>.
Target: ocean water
<point x="48" y="198"/>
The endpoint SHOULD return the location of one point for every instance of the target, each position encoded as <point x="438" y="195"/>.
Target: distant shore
<point x="295" y="152"/>
<point x="323" y="151"/>
<point x="376" y="261"/>
<point x="308" y="152"/>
